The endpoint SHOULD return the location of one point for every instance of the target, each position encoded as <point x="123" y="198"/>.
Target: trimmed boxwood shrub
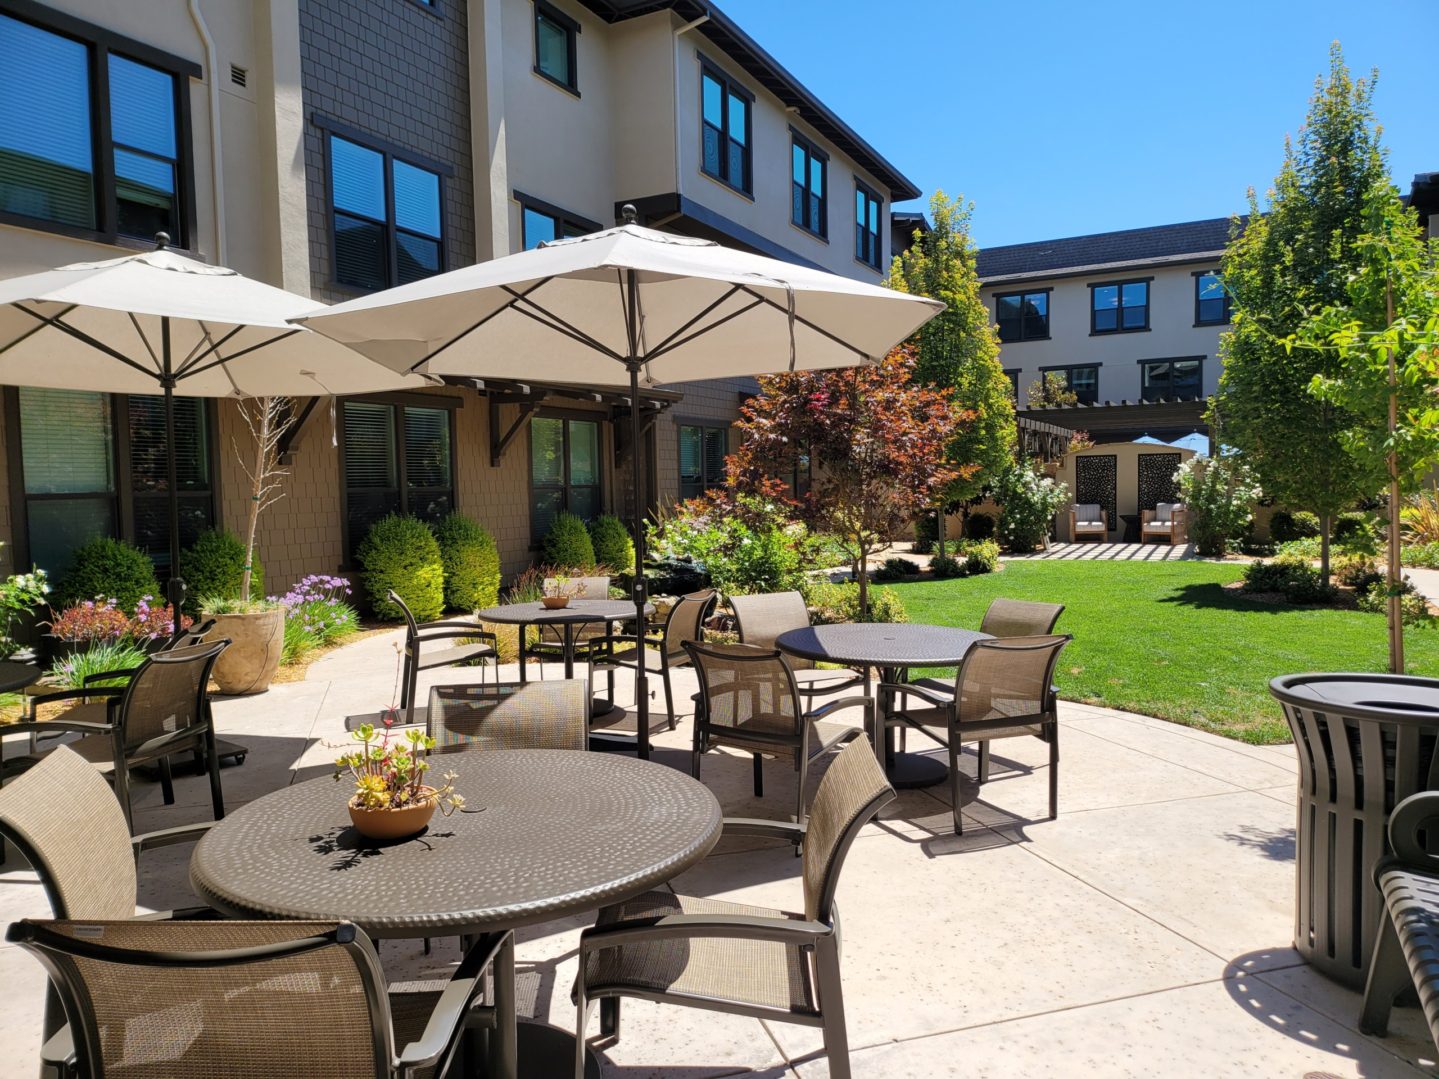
<point x="944" y="567"/>
<point x="1285" y="526"/>
<point x="109" y="567"/>
<point x="214" y="565"/>
<point x="979" y="526"/>
<point x="980" y="556"/>
<point x="926" y="531"/>
<point x="611" y="540"/>
<point x="840" y="603"/>
<point x="895" y="569"/>
<point x="400" y="553"/>
<point x="471" y="561"/>
<point x="567" y="544"/>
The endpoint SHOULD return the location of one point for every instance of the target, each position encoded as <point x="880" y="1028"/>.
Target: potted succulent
<point x="558" y="592"/>
<point x="391" y="799"/>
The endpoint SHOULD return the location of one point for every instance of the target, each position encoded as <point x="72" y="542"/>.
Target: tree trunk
<point x="864" y="582"/>
<point x="939" y="529"/>
<point x="252" y="519"/>
<point x="1394" y="577"/>
<point x="1325" y="523"/>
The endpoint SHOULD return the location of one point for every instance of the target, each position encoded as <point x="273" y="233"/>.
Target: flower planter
<point x="395" y="823"/>
<point x="257" y="641"/>
<point x="555" y="603"/>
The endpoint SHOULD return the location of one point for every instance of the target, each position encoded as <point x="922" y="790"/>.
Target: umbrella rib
<point x="198" y="353"/>
<point x="471" y="329"/>
<point x="202" y="368"/>
<point x="81" y="335"/>
<point x="559" y="325"/>
<point x="34" y="330"/>
<point x="143" y="339"/>
<point x="666" y="347"/>
<point x="807" y="323"/>
<point x="661" y="347"/>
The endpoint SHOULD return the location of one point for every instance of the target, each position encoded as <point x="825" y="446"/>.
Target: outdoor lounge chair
<point x="1088" y="519"/>
<point x="246" y="1000"/>
<point x="1003" y="688"/>
<point x="762" y="618"/>
<point x="749" y="700"/>
<point x="439" y="644"/>
<point x="1166" y="519"/>
<point x="532" y="715"/>
<point x="665" y="642"/>
<point x="731" y="957"/>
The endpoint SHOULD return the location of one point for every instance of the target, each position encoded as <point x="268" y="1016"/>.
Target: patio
<point x="1144" y="932"/>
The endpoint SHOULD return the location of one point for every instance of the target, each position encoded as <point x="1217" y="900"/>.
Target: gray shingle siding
<point x="1103" y="248"/>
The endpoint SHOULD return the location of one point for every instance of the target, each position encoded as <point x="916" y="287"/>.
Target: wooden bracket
<point x="286" y="447"/>
<point x="500" y="443"/>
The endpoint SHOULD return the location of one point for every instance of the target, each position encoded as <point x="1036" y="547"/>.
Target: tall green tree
<point x="1286" y="263"/>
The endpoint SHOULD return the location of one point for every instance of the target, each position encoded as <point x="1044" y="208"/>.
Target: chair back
<point x="762" y="618"/>
<point x="535" y="715"/>
<point x="63" y="817"/>
<point x="1008" y="678"/>
<point x="1020" y="618"/>
<point x="412" y="628"/>
<point x="169" y="693"/>
<point x="192" y="999"/>
<point x="749" y="693"/>
<point x="852" y="791"/>
<point x="579" y="587"/>
<point x="685" y="623"/>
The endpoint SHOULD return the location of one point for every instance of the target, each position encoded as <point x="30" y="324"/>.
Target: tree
<point x="1219" y="495"/>
<point x="877" y="439"/>
<point x="1384" y="372"/>
<point x="268" y="418"/>
<point x="1051" y="391"/>
<point x="1285" y="263"/>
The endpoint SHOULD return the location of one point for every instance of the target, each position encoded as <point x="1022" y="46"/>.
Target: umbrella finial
<point x="629" y="213"/>
<point x="162" y="241"/>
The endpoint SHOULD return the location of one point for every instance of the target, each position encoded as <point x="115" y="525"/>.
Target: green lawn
<point x="1165" y="639"/>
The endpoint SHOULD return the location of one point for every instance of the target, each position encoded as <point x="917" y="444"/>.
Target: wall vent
<point x="238" y="75"/>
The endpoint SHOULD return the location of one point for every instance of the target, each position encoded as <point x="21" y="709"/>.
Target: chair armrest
<point x="101" y="676"/>
<point x="769" y="829"/>
<point x="447" y="1021"/>
<point x="38" y="699"/>
<point x="52" y="726"/>
<point x="57" y="1055"/>
<point x="844" y="702"/>
<point x="446" y="623"/>
<point x="166" y="837"/>
<point x="677" y="926"/>
<point x="930" y="696"/>
<point x="1409" y="818"/>
<point x="471" y="632"/>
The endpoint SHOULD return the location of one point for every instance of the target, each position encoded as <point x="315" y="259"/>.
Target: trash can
<point x="1365" y="743"/>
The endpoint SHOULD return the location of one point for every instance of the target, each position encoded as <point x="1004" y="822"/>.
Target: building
<point x="334" y="147"/>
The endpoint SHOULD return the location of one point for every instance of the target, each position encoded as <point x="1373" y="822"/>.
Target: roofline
<point x="1188" y="258"/>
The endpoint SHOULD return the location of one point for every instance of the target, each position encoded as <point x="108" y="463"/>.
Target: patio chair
<point x="762" y="618"/>
<point x="246" y="1000"/>
<point x="750" y="701"/>
<point x="1167" y="520"/>
<point x="164" y="710"/>
<point x="1088" y="519"/>
<point x="1020" y="618"/>
<point x="550" y="642"/>
<point x="1004" y="688"/>
<point x="663" y="646"/>
<point x="439" y="644"/>
<point x="533" y="715"/>
<point x="731" y="957"/>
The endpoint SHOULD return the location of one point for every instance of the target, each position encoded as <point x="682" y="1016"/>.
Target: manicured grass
<point x="1165" y="638"/>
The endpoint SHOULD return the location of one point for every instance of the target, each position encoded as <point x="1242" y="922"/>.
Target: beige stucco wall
<point x="1126" y="495"/>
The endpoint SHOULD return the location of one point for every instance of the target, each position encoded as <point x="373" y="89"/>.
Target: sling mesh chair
<point x="762" y="618"/>
<point x="162" y="711"/>
<point x="460" y="642"/>
<point x="1020" y="618"/>
<point x="246" y="1000"/>
<point x="1004" y="688"/>
<point x="749" y="700"/>
<point x="667" y="641"/>
<point x="730" y="957"/>
<point x="533" y="715"/>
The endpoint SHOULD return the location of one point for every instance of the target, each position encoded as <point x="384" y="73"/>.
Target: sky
<point x="1067" y="117"/>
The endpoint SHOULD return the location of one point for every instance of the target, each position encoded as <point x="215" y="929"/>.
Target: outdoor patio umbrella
<point x="624" y="307"/>
<point x="161" y="322"/>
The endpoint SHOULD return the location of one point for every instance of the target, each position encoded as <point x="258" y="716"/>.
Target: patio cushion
<point x="1164" y="512"/>
<point x="1158" y="526"/>
<point x="1088" y="512"/>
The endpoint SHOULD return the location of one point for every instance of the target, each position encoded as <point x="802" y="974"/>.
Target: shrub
<point x="1419" y="517"/>
<point x="1307" y="548"/>
<point x="1293" y="578"/>
<point x="1350" y="569"/>
<point x="1251" y="544"/>
<point x="1421" y="556"/>
<point x="109" y="567"/>
<point x="1285" y="526"/>
<point x="819" y="550"/>
<point x="319" y="606"/>
<point x="611" y="540"/>
<point x="21" y="594"/>
<point x="945" y="566"/>
<point x="114" y="655"/>
<point x="748" y="548"/>
<point x="926" y="531"/>
<point x="400" y="553"/>
<point x="1413" y="607"/>
<point x="1030" y="500"/>
<point x="91" y="621"/>
<point x="840" y="603"/>
<point x="980" y="556"/>
<point x="1356" y="529"/>
<point x="567" y="544"/>
<point x="471" y="561"/>
<point x="214" y="566"/>
<point x="895" y="569"/>
<point x="1218" y="493"/>
<point x="979" y="526"/>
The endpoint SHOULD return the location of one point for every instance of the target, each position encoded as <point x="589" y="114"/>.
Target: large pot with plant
<point x="391" y="800"/>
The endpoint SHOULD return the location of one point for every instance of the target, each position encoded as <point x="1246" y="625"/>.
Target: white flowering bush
<point x="20" y="595"/>
<point x="1219" y="495"/>
<point x="1029" y="500"/>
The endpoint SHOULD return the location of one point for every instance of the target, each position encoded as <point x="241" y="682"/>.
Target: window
<point x="395" y="459"/>
<point x="103" y="165"/>
<point x="386" y="215"/>
<point x="564" y="470"/>
<point x="1081" y="380"/>
<point x="1211" y="301"/>
<point x="1119" y="307"/>
<point x="94" y="464"/>
<point x="725" y="115"/>
<point x="1013" y="376"/>
<point x="540" y="222"/>
<point x="702" y="458"/>
<point x="555" y="34"/>
<point x="1171" y="378"/>
<point x="809" y="206"/>
<point x="1022" y="316"/>
<point x="866" y="226"/>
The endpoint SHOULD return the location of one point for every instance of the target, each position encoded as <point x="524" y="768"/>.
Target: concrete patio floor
<point x="1144" y="933"/>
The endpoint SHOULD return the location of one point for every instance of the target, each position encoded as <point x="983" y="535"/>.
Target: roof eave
<point x="1102" y="267"/>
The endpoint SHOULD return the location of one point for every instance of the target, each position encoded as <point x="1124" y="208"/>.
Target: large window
<point x="93" y="465"/>
<point x="555" y="34"/>
<point x="809" y="205"/>
<point x="564" y="470"/>
<point x="396" y="459"/>
<point x="1119" y="307"/>
<point x="1170" y="379"/>
<point x="1022" y="316"/>
<point x="725" y="115"/>
<point x="866" y="226"/>
<point x="93" y="132"/>
<point x="702" y="456"/>
<point x="386" y="215"/>
<point x="540" y="222"/>
<point x="1211" y="300"/>
<point x="1082" y="380"/>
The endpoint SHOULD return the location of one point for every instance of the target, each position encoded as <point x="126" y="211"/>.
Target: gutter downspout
<point x="675" y="61"/>
<point x="217" y="179"/>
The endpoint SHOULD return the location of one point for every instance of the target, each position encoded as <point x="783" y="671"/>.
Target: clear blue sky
<point x="1062" y="117"/>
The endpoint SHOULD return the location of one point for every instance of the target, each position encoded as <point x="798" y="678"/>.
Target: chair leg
<point x="1054" y="770"/>
<point x="122" y="793"/>
<point x="411" y="683"/>
<point x="758" y="777"/>
<point x="610" y="1017"/>
<point x="954" y="748"/>
<point x="670" y="698"/>
<point x="212" y="756"/>
<point x="984" y="762"/>
<point x="167" y="781"/>
<point x="583" y="1007"/>
<point x="831" y="1003"/>
<point x="1388" y="977"/>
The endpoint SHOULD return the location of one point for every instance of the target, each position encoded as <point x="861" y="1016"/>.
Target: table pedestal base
<point x="910" y="771"/>
<point x="545" y="1051"/>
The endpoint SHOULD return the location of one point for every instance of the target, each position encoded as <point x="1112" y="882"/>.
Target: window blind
<point x="67" y="441"/>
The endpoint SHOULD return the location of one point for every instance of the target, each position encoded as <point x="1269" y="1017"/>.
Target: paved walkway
<point x="1144" y="933"/>
<point x="1427" y="581"/>
<point x="1112" y="552"/>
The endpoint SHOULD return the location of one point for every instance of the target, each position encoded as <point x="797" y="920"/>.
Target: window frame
<point x="1145" y="364"/>
<point x="1066" y="368"/>
<point x="99" y="44"/>
<point x="563" y="218"/>
<point x="1013" y="373"/>
<point x="812" y="153"/>
<point x="871" y="195"/>
<point x="1022" y="293"/>
<point x="566" y="416"/>
<point x="572" y="30"/>
<point x="703" y="426"/>
<point x="1120" y="283"/>
<point x="1198" y="276"/>
<point x="729" y="86"/>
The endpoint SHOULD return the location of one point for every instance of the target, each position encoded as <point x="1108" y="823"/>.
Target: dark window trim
<point x="731" y="85"/>
<point x="811" y="149"/>
<point x="1142" y="364"/>
<point x="572" y="32"/>
<point x="1022" y="293"/>
<point x="566" y="415"/>
<point x="1066" y="367"/>
<point x="1228" y="300"/>
<point x="871" y="193"/>
<point x="1119" y="317"/>
<point x="703" y="423"/>
<point x="549" y="209"/>
<point x="431" y="7"/>
<point x="374" y="142"/>
<point x="1013" y="373"/>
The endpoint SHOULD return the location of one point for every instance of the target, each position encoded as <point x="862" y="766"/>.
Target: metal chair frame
<point x="418" y="635"/>
<point x="608" y="662"/>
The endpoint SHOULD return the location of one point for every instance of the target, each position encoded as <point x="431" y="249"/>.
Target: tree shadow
<point x="1276" y="845"/>
<point x="1216" y="597"/>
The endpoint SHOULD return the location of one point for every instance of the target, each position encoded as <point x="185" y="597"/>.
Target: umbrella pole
<point x="642" y="694"/>
<point x="175" y="587"/>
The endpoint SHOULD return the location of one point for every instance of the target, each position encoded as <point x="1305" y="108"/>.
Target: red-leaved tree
<point x="876" y="441"/>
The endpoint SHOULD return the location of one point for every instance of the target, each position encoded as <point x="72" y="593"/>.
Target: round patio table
<point x="16" y="676"/>
<point x="894" y="648"/>
<point x="544" y="834"/>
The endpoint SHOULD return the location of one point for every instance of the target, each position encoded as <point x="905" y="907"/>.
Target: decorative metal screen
<point x="1095" y="479"/>
<point x="1156" y="479"/>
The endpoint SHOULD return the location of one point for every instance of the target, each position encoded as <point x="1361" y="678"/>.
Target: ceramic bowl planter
<point x="387" y="823"/>
<point x="257" y="641"/>
<point x="555" y="603"/>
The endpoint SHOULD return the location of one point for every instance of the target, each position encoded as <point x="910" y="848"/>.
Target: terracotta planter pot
<point x="555" y="603"/>
<point x="256" y="643"/>
<point x="394" y="823"/>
